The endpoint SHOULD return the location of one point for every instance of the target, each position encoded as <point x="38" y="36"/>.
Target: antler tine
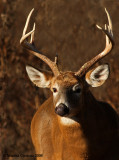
<point x="109" y="45"/>
<point x="30" y="46"/>
<point x="56" y="59"/>
<point x="32" y="34"/>
<point x="24" y="35"/>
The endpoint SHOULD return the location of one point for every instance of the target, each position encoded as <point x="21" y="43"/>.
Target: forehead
<point x="65" y="79"/>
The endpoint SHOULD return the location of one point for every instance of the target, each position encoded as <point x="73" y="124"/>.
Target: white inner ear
<point x="98" y="75"/>
<point x="37" y="77"/>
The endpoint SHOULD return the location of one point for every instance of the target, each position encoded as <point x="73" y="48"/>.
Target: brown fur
<point x="93" y="136"/>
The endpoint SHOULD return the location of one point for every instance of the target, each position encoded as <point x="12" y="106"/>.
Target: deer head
<point x="68" y="87"/>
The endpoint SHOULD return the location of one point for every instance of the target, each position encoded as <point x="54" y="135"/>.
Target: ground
<point x="64" y="27"/>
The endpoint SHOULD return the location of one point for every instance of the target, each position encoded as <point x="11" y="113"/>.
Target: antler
<point x="109" y="45"/>
<point x="30" y="46"/>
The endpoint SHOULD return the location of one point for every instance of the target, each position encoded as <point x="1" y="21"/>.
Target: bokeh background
<point x="66" y="27"/>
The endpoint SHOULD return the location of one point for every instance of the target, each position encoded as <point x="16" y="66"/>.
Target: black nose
<point x="61" y="109"/>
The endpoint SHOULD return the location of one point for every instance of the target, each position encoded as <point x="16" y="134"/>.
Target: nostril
<point x="61" y="109"/>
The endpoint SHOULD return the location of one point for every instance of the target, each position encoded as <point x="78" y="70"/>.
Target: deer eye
<point x="76" y="89"/>
<point x="54" y="90"/>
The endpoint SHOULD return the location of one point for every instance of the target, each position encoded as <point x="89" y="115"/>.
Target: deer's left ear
<point x="96" y="77"/>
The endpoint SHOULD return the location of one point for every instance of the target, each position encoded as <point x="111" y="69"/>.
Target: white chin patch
<point x="67" y="121"/>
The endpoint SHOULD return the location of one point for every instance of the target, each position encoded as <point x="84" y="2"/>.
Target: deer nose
<point x="61" y="109"/>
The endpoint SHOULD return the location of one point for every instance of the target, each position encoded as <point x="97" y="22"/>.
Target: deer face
<point x="68" y="89"/>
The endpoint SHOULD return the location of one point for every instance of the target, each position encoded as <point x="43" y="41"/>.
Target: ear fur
<point x="96" y="77"/>
<point x="40" y="78"/>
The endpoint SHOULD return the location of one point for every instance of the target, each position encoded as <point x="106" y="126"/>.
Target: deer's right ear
<point x="39" y="78"/>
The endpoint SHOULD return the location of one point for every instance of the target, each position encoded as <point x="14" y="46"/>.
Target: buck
<point x="72" y="124"/>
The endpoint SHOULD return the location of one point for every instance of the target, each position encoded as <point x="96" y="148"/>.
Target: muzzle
<point x="61" y="109"/>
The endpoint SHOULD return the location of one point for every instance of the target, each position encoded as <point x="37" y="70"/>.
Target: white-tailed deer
<point x="72" y="124"/>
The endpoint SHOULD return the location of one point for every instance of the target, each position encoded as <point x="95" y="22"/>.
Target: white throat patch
<point x="67" y="121"/>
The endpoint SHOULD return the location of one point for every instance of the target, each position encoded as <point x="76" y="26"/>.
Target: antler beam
<point x="109" y="45"/>
<point x="31" y="46"/>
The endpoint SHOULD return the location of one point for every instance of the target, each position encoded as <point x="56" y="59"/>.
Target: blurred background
<point x="66" y="27"/>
